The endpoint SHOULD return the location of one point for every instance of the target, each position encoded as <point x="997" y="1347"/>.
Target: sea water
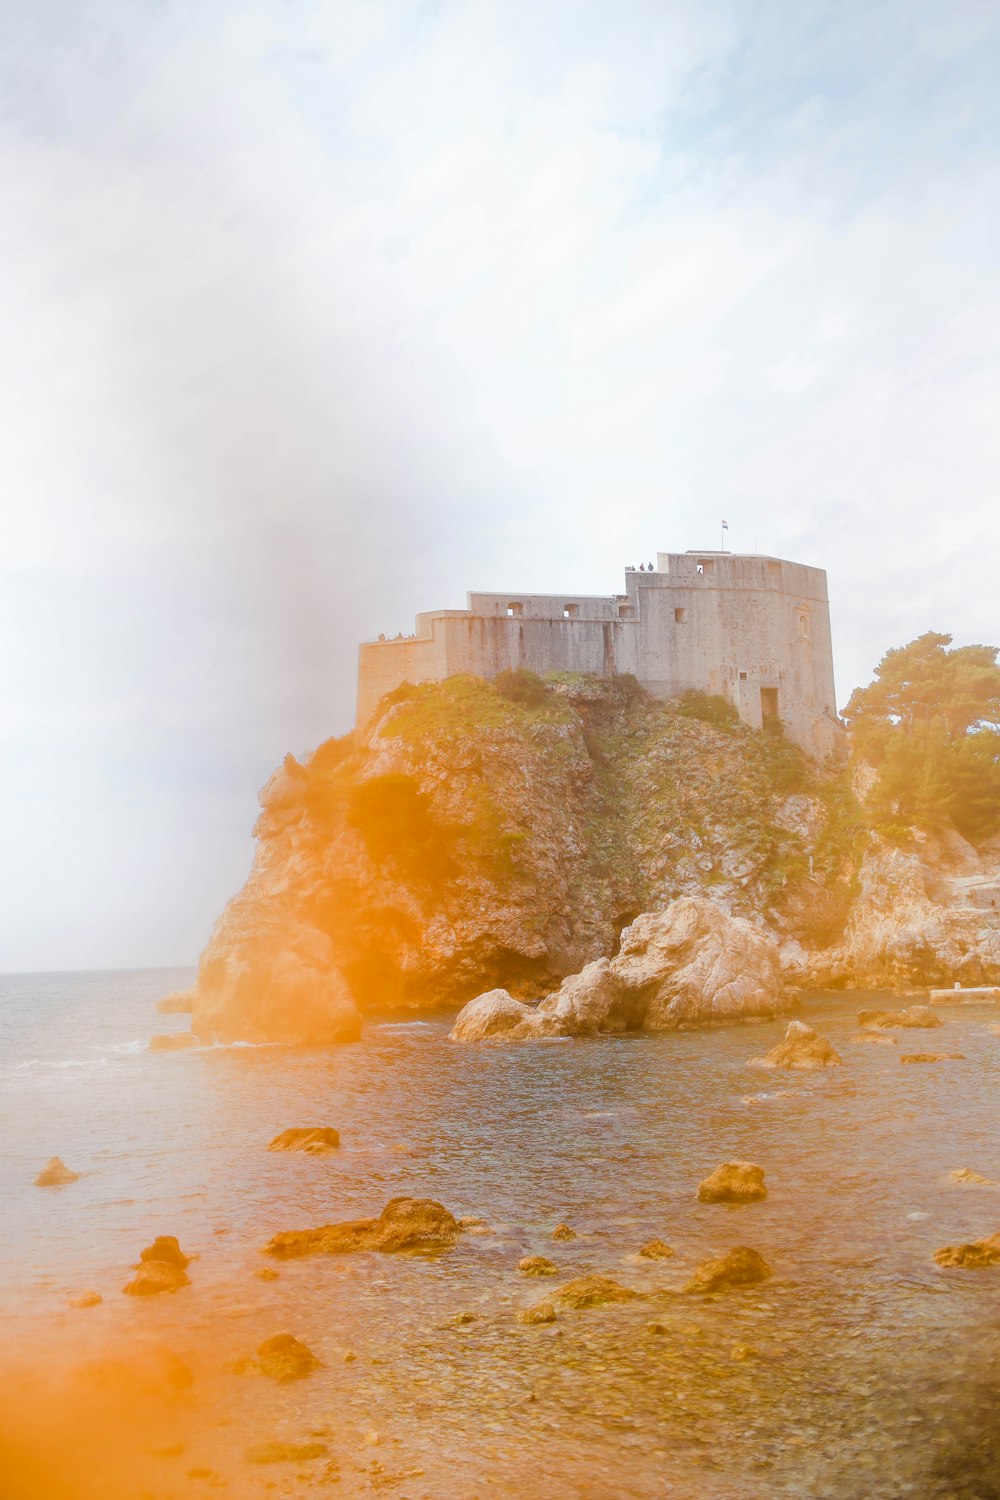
<point x="859" y="1368"/>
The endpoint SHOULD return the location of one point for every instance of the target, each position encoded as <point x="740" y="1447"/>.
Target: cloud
<point x="316" y="315"/>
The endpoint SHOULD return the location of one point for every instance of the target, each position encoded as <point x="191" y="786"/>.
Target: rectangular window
<point x="743" y="676"/>
<point x="706" y="565"/>
<point x="680" y="615"/>
<point x="515" y="609"/>
<point x="570" y="611"/>
<point x="626" y="612"/>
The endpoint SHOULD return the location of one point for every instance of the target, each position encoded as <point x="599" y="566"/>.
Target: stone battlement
<point x="755" y="630"/>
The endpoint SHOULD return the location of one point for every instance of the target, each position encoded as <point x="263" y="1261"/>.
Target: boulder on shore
<point x="593" y="1291"/>
<point x="691" y="964"/>
<point x="973" y="1256"/>
<point x="55" y="1173"/>
<point x="738" y="1267"/>
<point x="915" y="1016"/>
<point x="316" y="1140"/>
<point x="801" y="1047"/>
<point x="734" y="1182"/>
<point x="404" y="1224"/>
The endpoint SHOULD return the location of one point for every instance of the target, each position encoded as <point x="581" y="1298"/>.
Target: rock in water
<point x="655" y="1250"/>
<point x="929" y="1057"/>
<point x="916" y="1016"/>
<point x="283" y="1358"/>
<point x="801" y="1047"/>
<point x="497" y="1017"/>
<point x="734" y="1182"/>
<point x="86" y="1299"/>
<point x="317" y="1140"/>
<point x="973" y="1256"/>
<point x="739" y="1267"/>
<point x="542" y="1312"/>
<point x="563" y="1232"/>
<point x="166" y="1247"/>
<point x="593" y="1291"/>
<point x="536" y="1265"/>
<point x="404" y="1224"/>
<point x="155" y="1276"/>
<point x="285" y="1453"/>
<point x="55" y="1173"/>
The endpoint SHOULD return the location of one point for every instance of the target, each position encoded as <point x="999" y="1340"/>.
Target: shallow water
<point x="871" y="1366"/>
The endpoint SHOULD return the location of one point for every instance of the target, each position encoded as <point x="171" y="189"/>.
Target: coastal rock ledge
<point x="690" y="965"/>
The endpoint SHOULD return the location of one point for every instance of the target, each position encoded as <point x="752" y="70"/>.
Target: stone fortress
<point x="755" y="630"/>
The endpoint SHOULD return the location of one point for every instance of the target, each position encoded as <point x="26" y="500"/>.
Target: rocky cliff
<point x="479" y="835"/>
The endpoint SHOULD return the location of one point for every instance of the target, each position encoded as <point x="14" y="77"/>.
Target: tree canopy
<point x="930" y="724"/>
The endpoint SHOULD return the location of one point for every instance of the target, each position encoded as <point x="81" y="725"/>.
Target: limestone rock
<point x="734" y="1182"/>
<point x="932" y="1057"/>
<point x="536" y="1265"/>
<point x="973" y="1179"/>
<point x="694" y="963"/>
<point x="738" y="1267"/>
<point x="655" y="1250"/>
<point x="155" y="1276"/>
<point x="417" y="1224"/>
<point x="973" y="1256"/>
<point x="55" y="1173"/>
<point x="284" y="1358"/>
<point x="497" y="1017"/>
<point x="563" y="1232"/>
<point x="593" y="1291"/>
<point x="596" y="1000"/>
<point x="166" y="1247"/>
<point x="172" y="1041"/>
<point x="801" y="1047"/>
<point x="915" y="1016"/>
<point x="542" y="1312"/>
<point x="315" y="1140"/>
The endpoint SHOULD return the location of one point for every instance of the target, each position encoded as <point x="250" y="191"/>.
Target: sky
<point x="318" y="314"/>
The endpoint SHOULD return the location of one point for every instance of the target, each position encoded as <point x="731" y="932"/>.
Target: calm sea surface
<point x="870" y="1371"/>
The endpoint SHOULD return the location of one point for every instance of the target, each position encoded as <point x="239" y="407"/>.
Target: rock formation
<point x="315" y="1140"/>
<point x="920" y="1016"/>
<point x="739" y="1267"/>
<point x="284" y="1358"/>
<point x="536" y="1265"/>
<point x="155" y="1276"/>
<point x="404" y="1224"/>
<point x="55" y="1173"/>
<point x="593" y="1291"/>
<point x="734" y="1182"/>
<point x="801" y="1047"/>
<point x="973" y="1256"/>
<point x="468" y="840"/>
<point x="691" y="964"/>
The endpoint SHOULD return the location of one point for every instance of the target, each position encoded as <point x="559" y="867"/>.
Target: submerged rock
<point x="316" y="1140"/>
<point x="155" y="1276"/>
<point x="285" y="1453"/>
<point x="801" y="1047"/>
<point x="593" y="1291"/>
<point x="655" y="1250"/>
<point x="563" y="1232"/>
<point x="976" y="1179"/>
<point x="536" y="1265"/>
<point x="930" y="1057"/>
<point x="738" y="1267"/>
<point x="542" y="1312"/>
<point x="55" y="1173"/>
<point x="916" y="1016"/>
<point x="404" y="1224"/>
<point x="284" y="1358"/>
<point x="172" y="1041"/>
<point x="86" y="1299"/>
<point x="734" y="1182"/>
<point x="166" y="1247"/>
<point x="973" y="1256"/>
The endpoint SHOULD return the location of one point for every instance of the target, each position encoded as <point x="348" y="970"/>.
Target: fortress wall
<point x="384" y="665"/>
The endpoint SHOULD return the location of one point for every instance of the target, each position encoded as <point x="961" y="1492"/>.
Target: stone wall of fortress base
<point x="755" y="630"/>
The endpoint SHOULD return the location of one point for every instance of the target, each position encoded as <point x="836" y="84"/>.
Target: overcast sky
<point x="317" y="314"/>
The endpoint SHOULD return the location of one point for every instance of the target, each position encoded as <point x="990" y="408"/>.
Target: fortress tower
<point x="754" y="629"/>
